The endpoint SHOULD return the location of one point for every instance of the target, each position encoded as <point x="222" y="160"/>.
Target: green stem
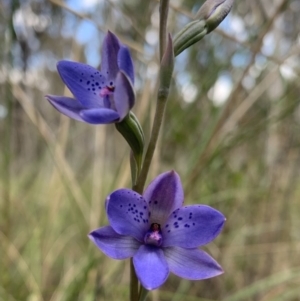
<point x="143" y="294"/>
<point x="134" y="285"/>
<point x="159" y="114"/>
<point x="162" y="96"/>
<point x="163" y="93"/>
<point x="163" y="19"/>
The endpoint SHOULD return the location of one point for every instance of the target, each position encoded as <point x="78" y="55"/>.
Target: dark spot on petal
<point x="179" y="218"/>
<point x="88" y="82"/>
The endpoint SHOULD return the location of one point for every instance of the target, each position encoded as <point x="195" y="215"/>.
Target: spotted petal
<point x="113" y="244"/>
<point x="124" y="96"/>
<point x="164" y="195"/>
<point x="67" y="106"/>
<point x="84" y="81"/>
<point x="109" y="59"/>
<point x="192" y="226"/>
<point x="99" y="116"/>
<point x="127" y="213"/>
<point x="151" y="266"/>
<point x="192" y="264"/>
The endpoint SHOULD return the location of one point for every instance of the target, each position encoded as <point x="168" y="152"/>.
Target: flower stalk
<point x="134" y="283"/>
<point x="166" y="71"/>
<point x="163" y="20"/>
<point x="143" y="294"/>
<point x="162" y="97"/>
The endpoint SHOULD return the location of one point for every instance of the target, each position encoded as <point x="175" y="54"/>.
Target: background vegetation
<point x="232" y="132"/>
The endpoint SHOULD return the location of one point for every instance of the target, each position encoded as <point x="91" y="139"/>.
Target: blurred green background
<point x="232" y="132"/>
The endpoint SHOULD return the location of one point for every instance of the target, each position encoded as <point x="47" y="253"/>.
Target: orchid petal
<point x="99" y="116"/>
<point x="67" y="106"/>
<point x="109" y="60"/>
<point x="113" y="244"/>
<point x="125" y="62"/>
<point x="192" y="226"/>
<point x="127" y="213"/>
<point x="84" y="81"/>
<point x="124" y="96"/>
<point x="151" y="267"/>
<point x="164" y="195"/>
<point x="192" y="264"/>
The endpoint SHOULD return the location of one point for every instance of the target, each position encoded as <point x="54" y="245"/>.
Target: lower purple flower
<point x="159" y="233"/>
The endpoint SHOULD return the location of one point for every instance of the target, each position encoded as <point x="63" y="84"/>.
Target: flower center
<point x="153" y="236"/>
<point x="107" y="94"/>
<point x="108" y="90"/>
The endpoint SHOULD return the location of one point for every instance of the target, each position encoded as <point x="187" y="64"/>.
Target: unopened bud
<point x="189" y="35"/>
<point x="209" y="16"/>
<point x="214" y="12"/>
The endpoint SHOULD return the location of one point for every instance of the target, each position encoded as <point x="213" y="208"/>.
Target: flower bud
<point x="209" y="16"/>
<point x="189" y="35"/>
<point x="214" y="12"/>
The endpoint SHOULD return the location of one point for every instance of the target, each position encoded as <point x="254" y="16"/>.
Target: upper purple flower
<point x="101" y="97"/>
<point x="160" y="234"/>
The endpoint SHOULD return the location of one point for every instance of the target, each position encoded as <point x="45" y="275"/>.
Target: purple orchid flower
<point x="101" y="97"/>
<point x="160" y="234"/>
